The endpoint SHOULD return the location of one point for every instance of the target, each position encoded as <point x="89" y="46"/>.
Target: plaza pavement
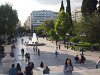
<point x="48" y="57"/>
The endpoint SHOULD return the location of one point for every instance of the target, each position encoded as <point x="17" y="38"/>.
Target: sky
<point x="25" y="7"/>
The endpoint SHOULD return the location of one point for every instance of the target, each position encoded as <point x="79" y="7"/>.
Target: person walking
<point x="98" y="63"/>
<point x="34" y="49"/>
<point x="28" y="69"/>
<point x="13" y="70"/>
<point x="76" y="59"/>
<point x="68" y="67"/>
<point x="22" y="40"/>
<point x="56" y="53"/>
<point x="38" y="52"/>
<point x="26" y="57"/>
<point x="46" y="70"/>
<point x="22" y="51"/>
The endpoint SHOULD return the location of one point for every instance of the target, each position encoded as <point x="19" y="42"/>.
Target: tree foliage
<point x="48" y="24"/>
<point x="68" y="8"/>
<point x="62" y="25"/>
<point x="88" y="7"/>
<point x="62" y="6"/>
<point x="8" y="19"/>
<point x="45" y="27"/>
<point x="92" y="28"/>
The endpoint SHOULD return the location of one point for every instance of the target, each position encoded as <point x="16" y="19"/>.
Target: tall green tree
<point x="8" y="19"/>
<point x="68" y="10"/>
<point x="62" y="25"/>
<point x="88" y="7"/>
<point x="92" y="28"/>
<point x="62" y="6"/>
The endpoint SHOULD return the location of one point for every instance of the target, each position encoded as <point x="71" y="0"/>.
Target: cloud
<point x="25" y="7"/>
<point x="74" y="3"/>
<point x="50" y="2"/>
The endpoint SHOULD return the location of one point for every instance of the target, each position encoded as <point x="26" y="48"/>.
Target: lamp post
<point x="83" y="35"/>
<point x="6" y="34"/>
<point x="6" y="30"/>
<point x="67" y="34"/>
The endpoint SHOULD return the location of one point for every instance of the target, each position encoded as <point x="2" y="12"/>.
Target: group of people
<point x="17" y="70"/>
<point x="36" y="49"/>
<point x="28" y="69"/>
<point x="27" y="57"/>
<point x="79" y="60"/>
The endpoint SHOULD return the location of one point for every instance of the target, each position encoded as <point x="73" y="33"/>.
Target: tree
<point x="68" y="10"/>
<point x="8" y="19"/>
<point x="94" y="30"/>
<point x="88" y="7"/>
<point x="62" y="25"/>
<point x="40" y="30"/>
<point x="52" y="35"/>
<point x="62" y="6"/>
<point x="48" y="25"/>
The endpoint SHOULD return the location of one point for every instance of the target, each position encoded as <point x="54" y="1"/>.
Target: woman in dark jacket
<point x="18" y="67"/>
<point x="68" y="67"/>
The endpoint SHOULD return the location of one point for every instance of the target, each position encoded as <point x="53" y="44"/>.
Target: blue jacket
<point x="13" y="71"/>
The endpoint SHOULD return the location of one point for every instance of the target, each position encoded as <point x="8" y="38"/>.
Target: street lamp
<point x="6" y="34"/>
<point x="82" y="35"/>
<point x="6" y="30"/>
<point x="67" y="34"/>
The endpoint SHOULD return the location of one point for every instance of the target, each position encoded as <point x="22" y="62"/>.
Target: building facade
<point x="27" y="24"/>
<point x="77" y="15"/>
<point x="37" y="17"/>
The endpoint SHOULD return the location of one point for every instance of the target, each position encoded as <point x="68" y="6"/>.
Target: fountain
<point x="34" y="41"/>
